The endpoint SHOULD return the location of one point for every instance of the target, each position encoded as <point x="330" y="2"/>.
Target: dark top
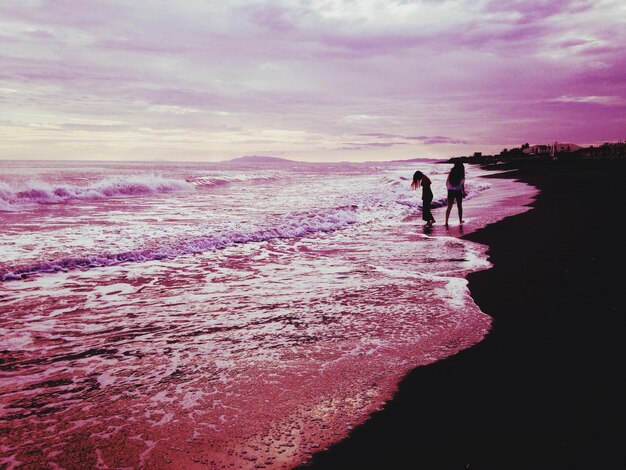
<point x="427" y="194"/>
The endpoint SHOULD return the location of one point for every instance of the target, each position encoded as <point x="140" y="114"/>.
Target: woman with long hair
<point x="455" y="183"/>
<point x="420" y="179"/>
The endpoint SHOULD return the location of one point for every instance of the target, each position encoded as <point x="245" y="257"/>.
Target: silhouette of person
<point x="420" y="179"/>
<point x="455" y="183"/>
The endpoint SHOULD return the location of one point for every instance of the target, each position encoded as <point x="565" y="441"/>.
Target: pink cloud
<point x="431" y="140"/>
<point x="495" y="73"/>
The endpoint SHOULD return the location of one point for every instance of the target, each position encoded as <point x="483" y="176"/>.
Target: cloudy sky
<point x="308" y="80"/>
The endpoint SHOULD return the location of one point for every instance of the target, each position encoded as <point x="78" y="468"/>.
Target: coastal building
<point x="559" y="147"/>
<point x="550" y="149"/>
<point x="537" y="149"/>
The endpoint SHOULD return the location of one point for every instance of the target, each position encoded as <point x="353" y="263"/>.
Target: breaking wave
<point x="288" y="226"/>
<point x="38" y="192"/>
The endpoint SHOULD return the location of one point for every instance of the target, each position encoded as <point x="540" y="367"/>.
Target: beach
<point x="545" y="388"/>
<point x="224" y="243"/>
<point x="191" y="315"/>
<point x="137" y="347"/>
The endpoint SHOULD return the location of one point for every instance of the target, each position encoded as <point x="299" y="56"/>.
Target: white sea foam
<point x="132" y="243"/>
<point x="291" y="226"/>
<point x="40" y="192"/>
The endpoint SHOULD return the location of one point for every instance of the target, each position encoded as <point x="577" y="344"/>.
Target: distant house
<point x="537" y="149"/>
<point x="551" y="149"/>
<point x="558" y="147"/>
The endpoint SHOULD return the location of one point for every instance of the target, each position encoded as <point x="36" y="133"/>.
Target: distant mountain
<point x="260" y="159"/>
<point x="420" y="160"/>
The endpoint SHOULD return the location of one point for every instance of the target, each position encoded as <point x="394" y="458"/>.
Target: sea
<point x="240" y="314"/>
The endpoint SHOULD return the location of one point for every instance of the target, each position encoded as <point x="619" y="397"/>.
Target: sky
<point x="316" y="80"/>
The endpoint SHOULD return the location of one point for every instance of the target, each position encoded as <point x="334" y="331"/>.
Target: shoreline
<point x="534" y="393"/>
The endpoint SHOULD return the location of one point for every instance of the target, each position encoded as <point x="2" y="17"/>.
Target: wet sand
<point x="545" y="389"/>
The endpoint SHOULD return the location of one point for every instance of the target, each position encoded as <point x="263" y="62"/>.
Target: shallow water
<point x="219" y="315"/>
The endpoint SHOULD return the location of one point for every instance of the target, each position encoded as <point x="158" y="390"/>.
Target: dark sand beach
<point x="545" y="389"/>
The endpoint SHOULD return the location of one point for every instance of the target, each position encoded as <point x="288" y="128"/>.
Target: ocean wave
<point x="294" y="225"/>
<point x="39" y="192"/>
<point x="224" y="179"/>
